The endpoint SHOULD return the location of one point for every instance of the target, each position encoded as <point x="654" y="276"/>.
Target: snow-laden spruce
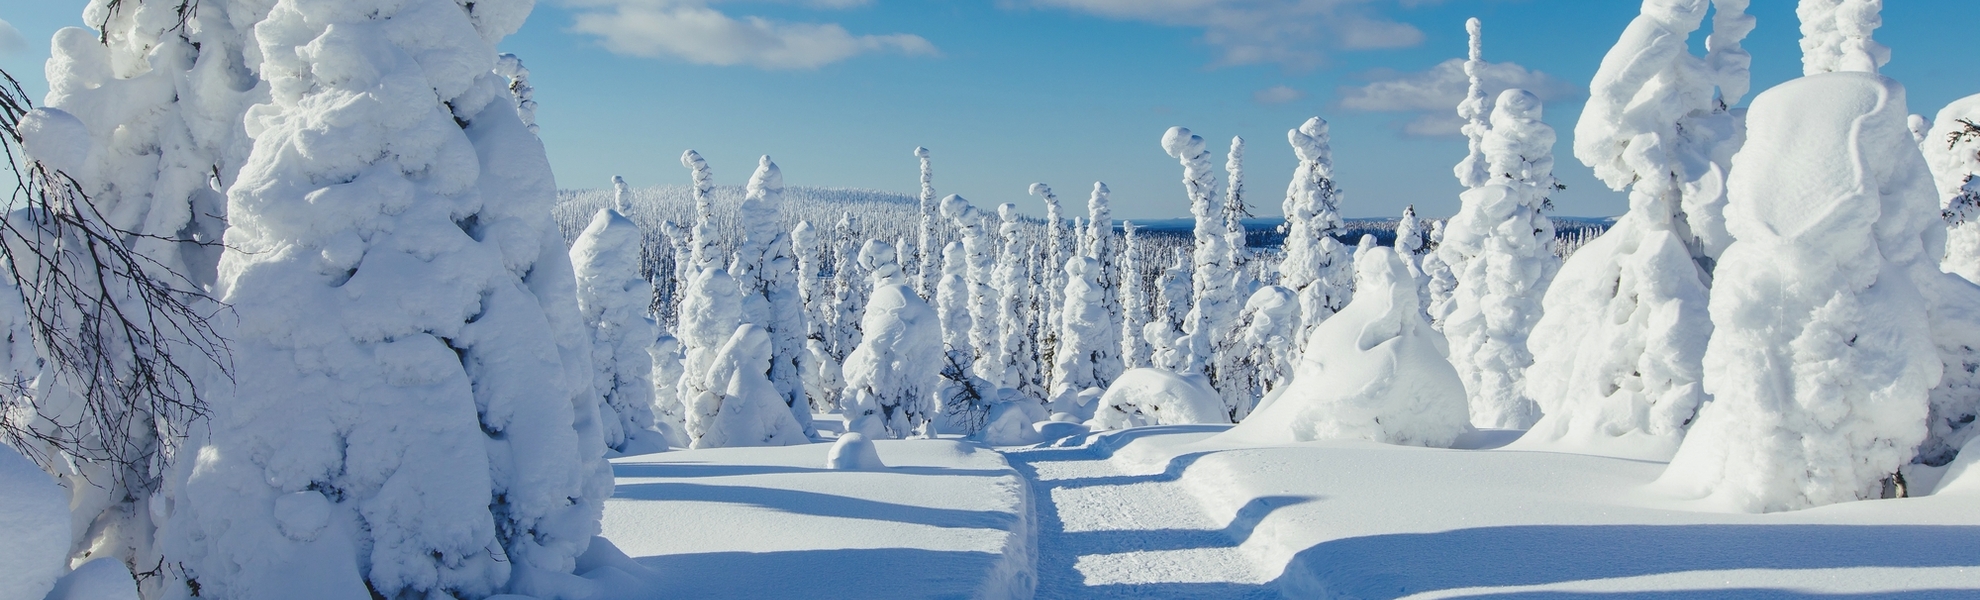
<point x="1618" y="349"/>
<point x="751" y="410"/>
<point x="706" y="247"/>
<point x="952" y="303"/>
<point x="510" y="67"/>
<point x="765" y="272"/>
<point x="1375" y="371"/>
<point x="1442" y="282"/>
<point x="1173" y="290"/>
<point x="413" y="413"/>
<point x="1270" y="330"/>
<point x="923" y="259"/>
<point x="1052" y="276"/>
<point x="1084" y="326"/>
<point x="1315" y="266"/>
<point x="980" y="260"/>
<point x="1212" y="320"/>
<point x="893" y="374"/>
<point x="1502" y="249"/>
<point x="821" y="369"/>
<point x="1952" y="149"/>
<point x="1134" y="300"/>
<point x="1821" y="357"/>
<point x="1235" y="210"/>
<point x="612" y="298"/>
<point x="669" y="397"/>
<point x="1017" y="345"/>
<point x="1835" y="36"/>
<point x="849" y="287"/>
<point x="1475" y="109"/>
<point x="1413" y="244"/>
<point x="1098" y="244"/>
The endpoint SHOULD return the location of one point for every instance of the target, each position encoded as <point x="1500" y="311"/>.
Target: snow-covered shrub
<point x="1375" y="371"/>
<point x="1618" y="349"/>
<point x="893" y="374"/>
<point x="1501" y="248"/>
<point x="1822" y="357"/>
<point x="612" y="298"/>
<point x="853" y="452"/>
<point x="1143" y="397"/>
<point x="750" y="411"/>
<point x="413" y="412"/>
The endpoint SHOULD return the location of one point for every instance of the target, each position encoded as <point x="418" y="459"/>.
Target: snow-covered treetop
<point x="1100" y="219"/>
<point x="881" y="265"/>
<point x="805" y="238"/>
<point x="1471" y="171"/>
<point x="704" y="178"/>
<point x="1835" y="36"/>
<point x="1649" y="81"/>
<point x="1008" y="213"/>
<point x="1044" y="191"/>
<point x="1198" y="178"/>
<point x="621" y="194"/>
<point x="1310" y="144"/>
<point x="510" y="67"/>
<point x="927" y="176"/>
<point x="1520" y="146"/>
<point x="959" y="209"/>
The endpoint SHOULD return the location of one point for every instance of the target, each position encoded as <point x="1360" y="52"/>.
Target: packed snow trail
<point x="1106" y="534"/>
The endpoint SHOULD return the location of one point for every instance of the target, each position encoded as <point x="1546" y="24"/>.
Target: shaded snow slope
<point x="943" y="519"/>
<point x="1362" y="520"/>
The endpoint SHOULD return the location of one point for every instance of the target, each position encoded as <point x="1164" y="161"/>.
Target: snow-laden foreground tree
<point x="892" y="376"/>
<point x="1618" y="353"/>
<point x="612" y="299"/>
<point x="1822" y="357"/>
<point x="413" y="412"/>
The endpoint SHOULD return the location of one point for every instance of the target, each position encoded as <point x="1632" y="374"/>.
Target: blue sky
<point x="1007" y="92"/>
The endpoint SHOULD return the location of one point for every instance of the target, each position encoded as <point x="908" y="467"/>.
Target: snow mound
<point x="751" y="412"/>
<point x="1013" y="421"/>
<point x="1143" y="397"/>
<point x="1374" y="371"/>
<point x="34" y="513"/>
<point x="100" y="579"/>
<point x="853" y="452"/>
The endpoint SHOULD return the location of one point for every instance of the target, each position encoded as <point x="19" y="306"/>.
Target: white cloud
<point x="11" y="41"/>
<point x="1293" y="33"/>
<point x="1278" y="94"/>
<point x="1434" y="94"/>
<point x="694" y="31"/>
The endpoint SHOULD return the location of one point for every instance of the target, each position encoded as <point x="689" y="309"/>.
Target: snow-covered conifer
<point x="892" y="376"/>
<point x="1475" y="110"/>
<point x="820" y="366"/>
<point x="1134" y="300"/>
<point x="1504" y="246"/>
<point x="669" y="410"/>
<point x="1316" y="266"/>
<point x="510" y="67"/>
<point x="413" y="413"/>
<point x="1084" y="328"/>
<point x="1821" y="359"/>
<point x="1053" y="277"/>
<point x="1235" y="209"/>
<point x="1835" y="36"/>
<point x="612" y="298"/>
<point x="709" y="317"/>
<point x="1375" y="371"/>
<point x="1099" y="245"/>
<point x="765" y="271"/>
<point x="1442" y="283"/>
<point x="1174" y="289"/>
<point x="706" y="253"/>
<point x="1017" y="347"/>
<point x="952" y="301"/>
<point x="1952" y="150"/>
<point x="925" y="265"/>
<point x="1213" y="318"/>
<point x="1412" y="242"/>
<point x="1618" y="348"/>
<point x="751" y="411"/>
<point x="1270" y="326"/>
<point x="849" y="287"/>
<point x="979" y="257"/>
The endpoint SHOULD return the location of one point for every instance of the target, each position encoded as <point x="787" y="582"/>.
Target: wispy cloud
<point x="1278" y="94"/>
<point x="695" y="31"/>
<point x="1433" y="95"/>
<point x="11" y="41"/>
<point x="1296" y="34"/>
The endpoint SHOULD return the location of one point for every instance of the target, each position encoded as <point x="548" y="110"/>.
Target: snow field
<point x="943" y="519"/>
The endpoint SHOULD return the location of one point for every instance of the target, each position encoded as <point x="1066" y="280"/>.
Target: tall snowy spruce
<point x="1413" y="244"/>
<point x="1821" y="358"/>
<point x="1235" y="210"/>
<point x="612" y="299"/>
<point x="1098" y="244"/>
<point x="1134" y="300"/>
<point x="925" y="261"/>
<point x="766" y="273"/>
<point x="1017" y="345"/>
<point x="892" y="376"/>
<point x="1053" y="277"/>
<point x="706" y="254"/>
<point x="821" y="370"/>
<point x="952" y="304"/>
<point x="849" y="287"/>
<point x="140" y="116"/>
<point x="413" y="413"/>
<point x="1213" y="317"/>
<point x="1316" y="266"/>
<point x="1619" y="349"/>
<point x="1506" y="247"/>
<point x="1173" y="292"/>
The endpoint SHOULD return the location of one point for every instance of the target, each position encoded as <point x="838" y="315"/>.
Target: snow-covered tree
<point x="612" y="298"/>
<point x="1235" y="209"/>
<point x="821" y="374"/>
<point x="669" y="408"/>
<point x="765" y="271"/>
<point x="1315" y="265"/>
<point x="1375" y="372"/>
<point x="706" y="248"/>
<point x="952" y="302"/>
<point x="925" y="280"/>
<point x="892" y="375"/>
<point x="1475" y="110"/>
<point x="710" y="316"/>
<point x="1952" y="150"/>
<point x="672" y="284"/>
<point x="1084" y="329"/>
<point x="1213" y="317"/>
<point x="849" y="288"/>
<point x="1412" y="243"/>
<point x="979" y="257"/>
<point x="1505" y="248"/>
<point x="1134" y="300"/>
<point x="1821" y="358"/>
<point x="1052" y="277"/>
<point x="1835" y="36"/>
<point x="1618" y="350"/>
<point x="751" y="411"/>
<point x="511" y="68"/>
<point x="1017" y="346"/>
<point x="1442" y="281"/>
<point x="1099" y="245"/>
<point x="413" y="413"/>
<point x="1270" y="329"/>
<point x="1173" y="291"/>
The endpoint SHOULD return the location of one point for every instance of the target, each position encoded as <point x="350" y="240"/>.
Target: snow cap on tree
<point x="1835" y="36"/>
<point x="1474" y="110"/>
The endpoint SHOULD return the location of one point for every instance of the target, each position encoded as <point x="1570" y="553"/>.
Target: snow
<point x="945" y="519"/>
<point x="853" y="452"/>
<point x="1183" y="512"/>
<point x="1375" y="371"/>
<point x="99" y="579"/>
<point x="750" y="411"/>
<point x="1143" y="397"/>
<point x="892" y="376"/>
<point x="1822" y="355"/>
<point x="34" y="513"/>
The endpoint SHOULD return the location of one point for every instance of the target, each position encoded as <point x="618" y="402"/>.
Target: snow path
<point x="1104" y="533"/>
